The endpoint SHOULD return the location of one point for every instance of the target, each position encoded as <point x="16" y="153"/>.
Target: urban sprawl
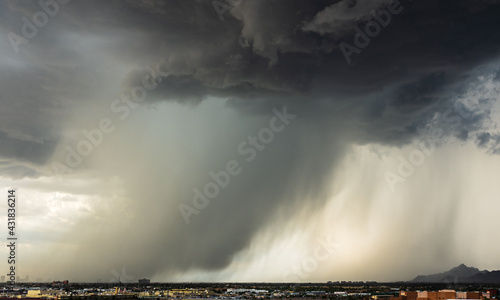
<point x="143" y="289"/>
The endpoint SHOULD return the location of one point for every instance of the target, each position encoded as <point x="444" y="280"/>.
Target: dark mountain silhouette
<point x="485" y="277"/>
<point x="462" y="274"/>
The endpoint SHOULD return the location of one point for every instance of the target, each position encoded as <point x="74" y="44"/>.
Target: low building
<point x="44" y="293"/>
<point x="408" y="295"/>
<point x="469" y="295"/>
<point x="446" y="294"/>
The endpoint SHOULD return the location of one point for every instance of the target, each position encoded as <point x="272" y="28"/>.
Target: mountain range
<point x="461" y="274"/>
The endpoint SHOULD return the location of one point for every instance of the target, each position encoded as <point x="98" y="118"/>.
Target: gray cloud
<point x="264" y="55"/>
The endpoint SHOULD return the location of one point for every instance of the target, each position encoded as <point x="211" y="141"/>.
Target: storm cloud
<point x="212" y="84"/>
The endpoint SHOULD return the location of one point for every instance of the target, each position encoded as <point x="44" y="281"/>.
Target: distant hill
<point x="485" y="277"/>
<point x="462" y="274"/>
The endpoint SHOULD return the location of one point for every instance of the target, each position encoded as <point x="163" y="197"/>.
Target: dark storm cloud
<point x="22" y="150"/>
<point x="41" y="85"/>
<point x="426" y="52"/>
<point x="264" y="54"/>
<point x="489" y="141"/>
<point x="18" y="171"/>
<point x="262" y="51"/>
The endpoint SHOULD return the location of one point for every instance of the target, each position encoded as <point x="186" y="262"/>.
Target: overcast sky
<point x="250" y="140"/>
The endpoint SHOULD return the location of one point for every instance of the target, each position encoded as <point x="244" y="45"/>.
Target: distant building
<point x="442" y="295"/>
<point x="493" y="292"/>
<point x="44" y="293"/>
<point x="469" y="295"/>
<point x="407" y="295"/>
<point x="144" y="281"/>
<point x="446" y="294"/>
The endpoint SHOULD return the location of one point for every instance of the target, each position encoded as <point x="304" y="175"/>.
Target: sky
<point x="250" y="140"/>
